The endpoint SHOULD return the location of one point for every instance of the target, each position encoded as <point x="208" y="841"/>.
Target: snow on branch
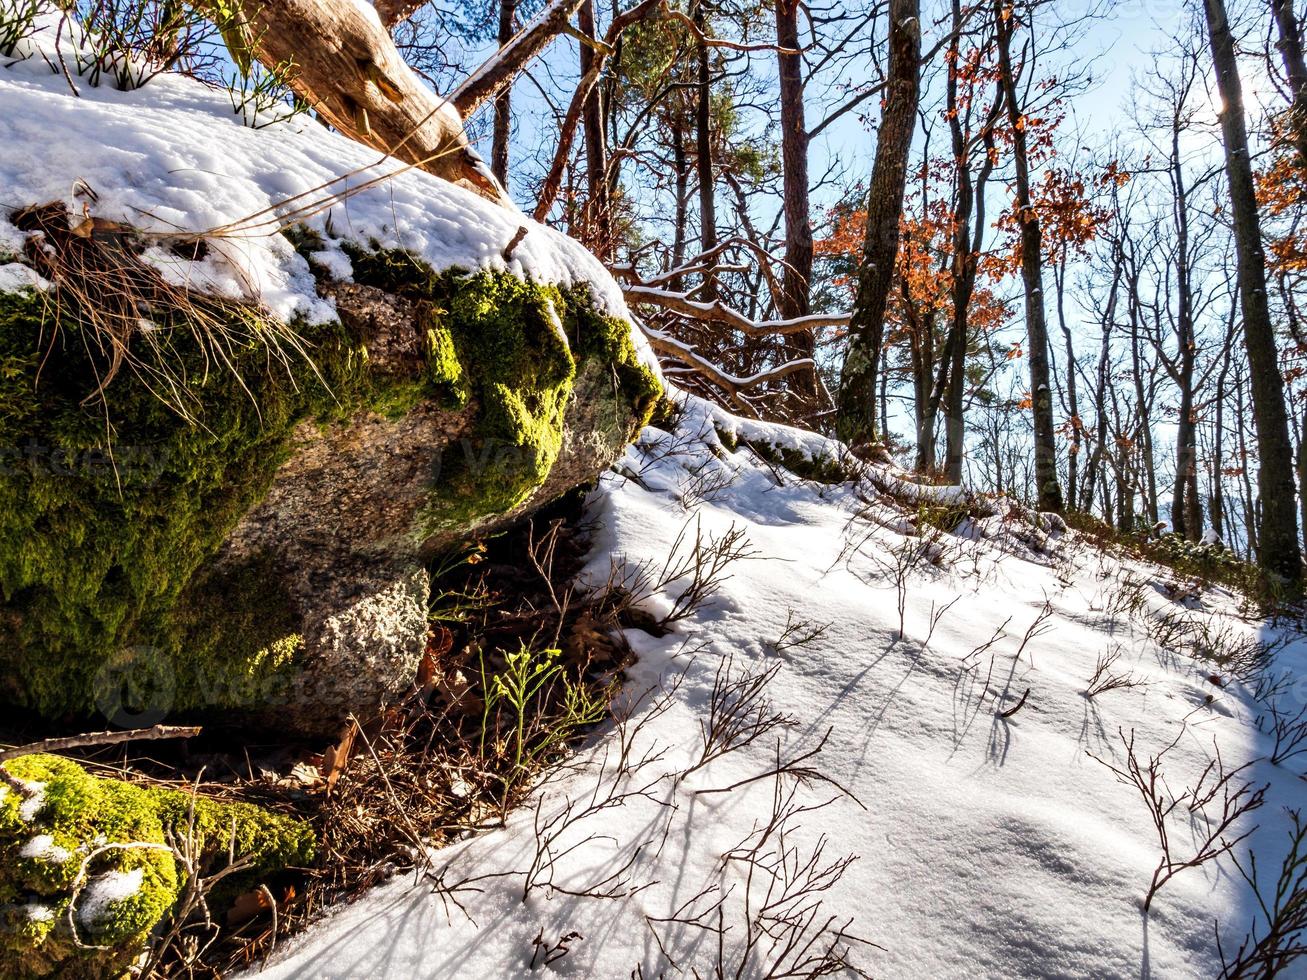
<point x="715" y="311"/>
<point x="668" y="346"/>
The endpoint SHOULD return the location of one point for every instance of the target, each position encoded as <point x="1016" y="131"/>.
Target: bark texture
<point x="1278" y="534"/>
<point x="1048" y="490"/>
<point x="504" y="100"/>
<point x="1290" y="43"/>
<point x="348" y="69"/>
<point x="856" y="419"/>
<point x="796" y="281"/>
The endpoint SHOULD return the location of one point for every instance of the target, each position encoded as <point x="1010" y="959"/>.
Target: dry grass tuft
<point x="126" y="315"/>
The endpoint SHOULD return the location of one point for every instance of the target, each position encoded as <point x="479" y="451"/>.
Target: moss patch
<point x="819" y="469"/>
<point x="110" y="510"/>
<point x="91" y="855"/>
<point x="516" y="347"/>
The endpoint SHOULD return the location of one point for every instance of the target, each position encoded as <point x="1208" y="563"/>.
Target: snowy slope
<point x="985" y="846"/>
<point x="173" y="157"/>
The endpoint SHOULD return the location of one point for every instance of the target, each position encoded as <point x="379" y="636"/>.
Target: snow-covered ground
<point x="962" y="769"/>
<point x="983" y="845"/>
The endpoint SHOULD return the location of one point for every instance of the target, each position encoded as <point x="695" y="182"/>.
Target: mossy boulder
<point x="253" y="547"/>
<point x="87" y="868"/>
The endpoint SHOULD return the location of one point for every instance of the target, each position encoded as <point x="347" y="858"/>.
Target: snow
<point x="172" y="158"/>
<point x="43" y="847"/>
<point x="985" y="845"/>
<point x="15" y="276"/>
<point x="34" y="802"/>
<point x="959" y="765"/>
<point x="104" y="891"/>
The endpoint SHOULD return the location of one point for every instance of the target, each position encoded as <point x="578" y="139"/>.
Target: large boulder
<point x="212" y="513"/>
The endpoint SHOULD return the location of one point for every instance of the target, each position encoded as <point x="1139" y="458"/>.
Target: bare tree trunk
<point x="599" y="223"/>
<point x="1073" y="403"/>
<point x="856" y="418"/>
<point x="682" y="166"/>
<point x="967" y="239"/>
<point x="503" y="101"/>
<point x="1218" y="439"/>
<point x="1280" y="554"/>
<point x="1302" y="473"/>
<point x="1048" y="491"/>
<point x="1143" y="395"/>
<point x="1100" y="389"/>
<point x="1186" y="509"/>
<point x="794" y="298"/>
<point x="1249" y="502"/>
<point x="347" y="68"/>
<point x="1295" y="65"/>
<point x="703" y="150"/>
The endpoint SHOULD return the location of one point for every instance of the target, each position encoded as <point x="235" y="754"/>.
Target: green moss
<point x="79" y="832"/>
<point x="109" y="512"/>
<point x="108" y="509"/>
<point x="516" y="348"/>
<point x="819" y="469"/>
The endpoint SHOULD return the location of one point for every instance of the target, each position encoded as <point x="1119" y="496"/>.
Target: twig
<point x="99" y="738"/>
<point x="1016" y="707"/>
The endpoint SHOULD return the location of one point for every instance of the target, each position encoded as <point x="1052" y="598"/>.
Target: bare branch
<point x="499" y="71"/>
<point x="99" y="738"/>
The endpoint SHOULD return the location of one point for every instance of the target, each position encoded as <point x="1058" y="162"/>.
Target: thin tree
<point x="794" y="299"/>
<point x="703" y="152"/>
<point x="1280" y="553"/>
<point x="1048" y="490"/>
<point x="1290" y="43"/>
<point x="504" y="100"/>
<point x="856" y="418"/>
<point x="599" y="211"/>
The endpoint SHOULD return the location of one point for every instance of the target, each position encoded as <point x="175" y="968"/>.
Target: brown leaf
<point x="336" y="757"/>
<point x="586" y="643"/>
<point x="247" y="906"/>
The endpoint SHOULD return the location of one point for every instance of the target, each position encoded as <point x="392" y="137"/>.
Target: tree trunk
<point x="1295" y="66"/>
<point x="348" y="70"/>
<point x="1302" y="473"/>
<point x="1280" y="554"/>
<point x="599" y="223"/>
<point x="1048" y="491"/>
<point x="967" y="240"/>
<point x="1186" y="509"/>
<point x="794" y="299"/>
<point x="503" y="101"/>
<point x="856" y="417"/>
<point x="1073" y="402"/>
<point x="1249" y="503"/>
<point x="1218" y="438"/>
<point x="1100" y="390"/>
<point x="1143" y="396"/>
<point x="703" y="150"/>
<point x="682" y="202"/>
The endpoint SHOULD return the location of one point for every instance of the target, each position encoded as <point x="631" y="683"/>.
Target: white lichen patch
<point x="104" y="891"/>
<point x="43" y="848"/>
<point x="37" y="912"/>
